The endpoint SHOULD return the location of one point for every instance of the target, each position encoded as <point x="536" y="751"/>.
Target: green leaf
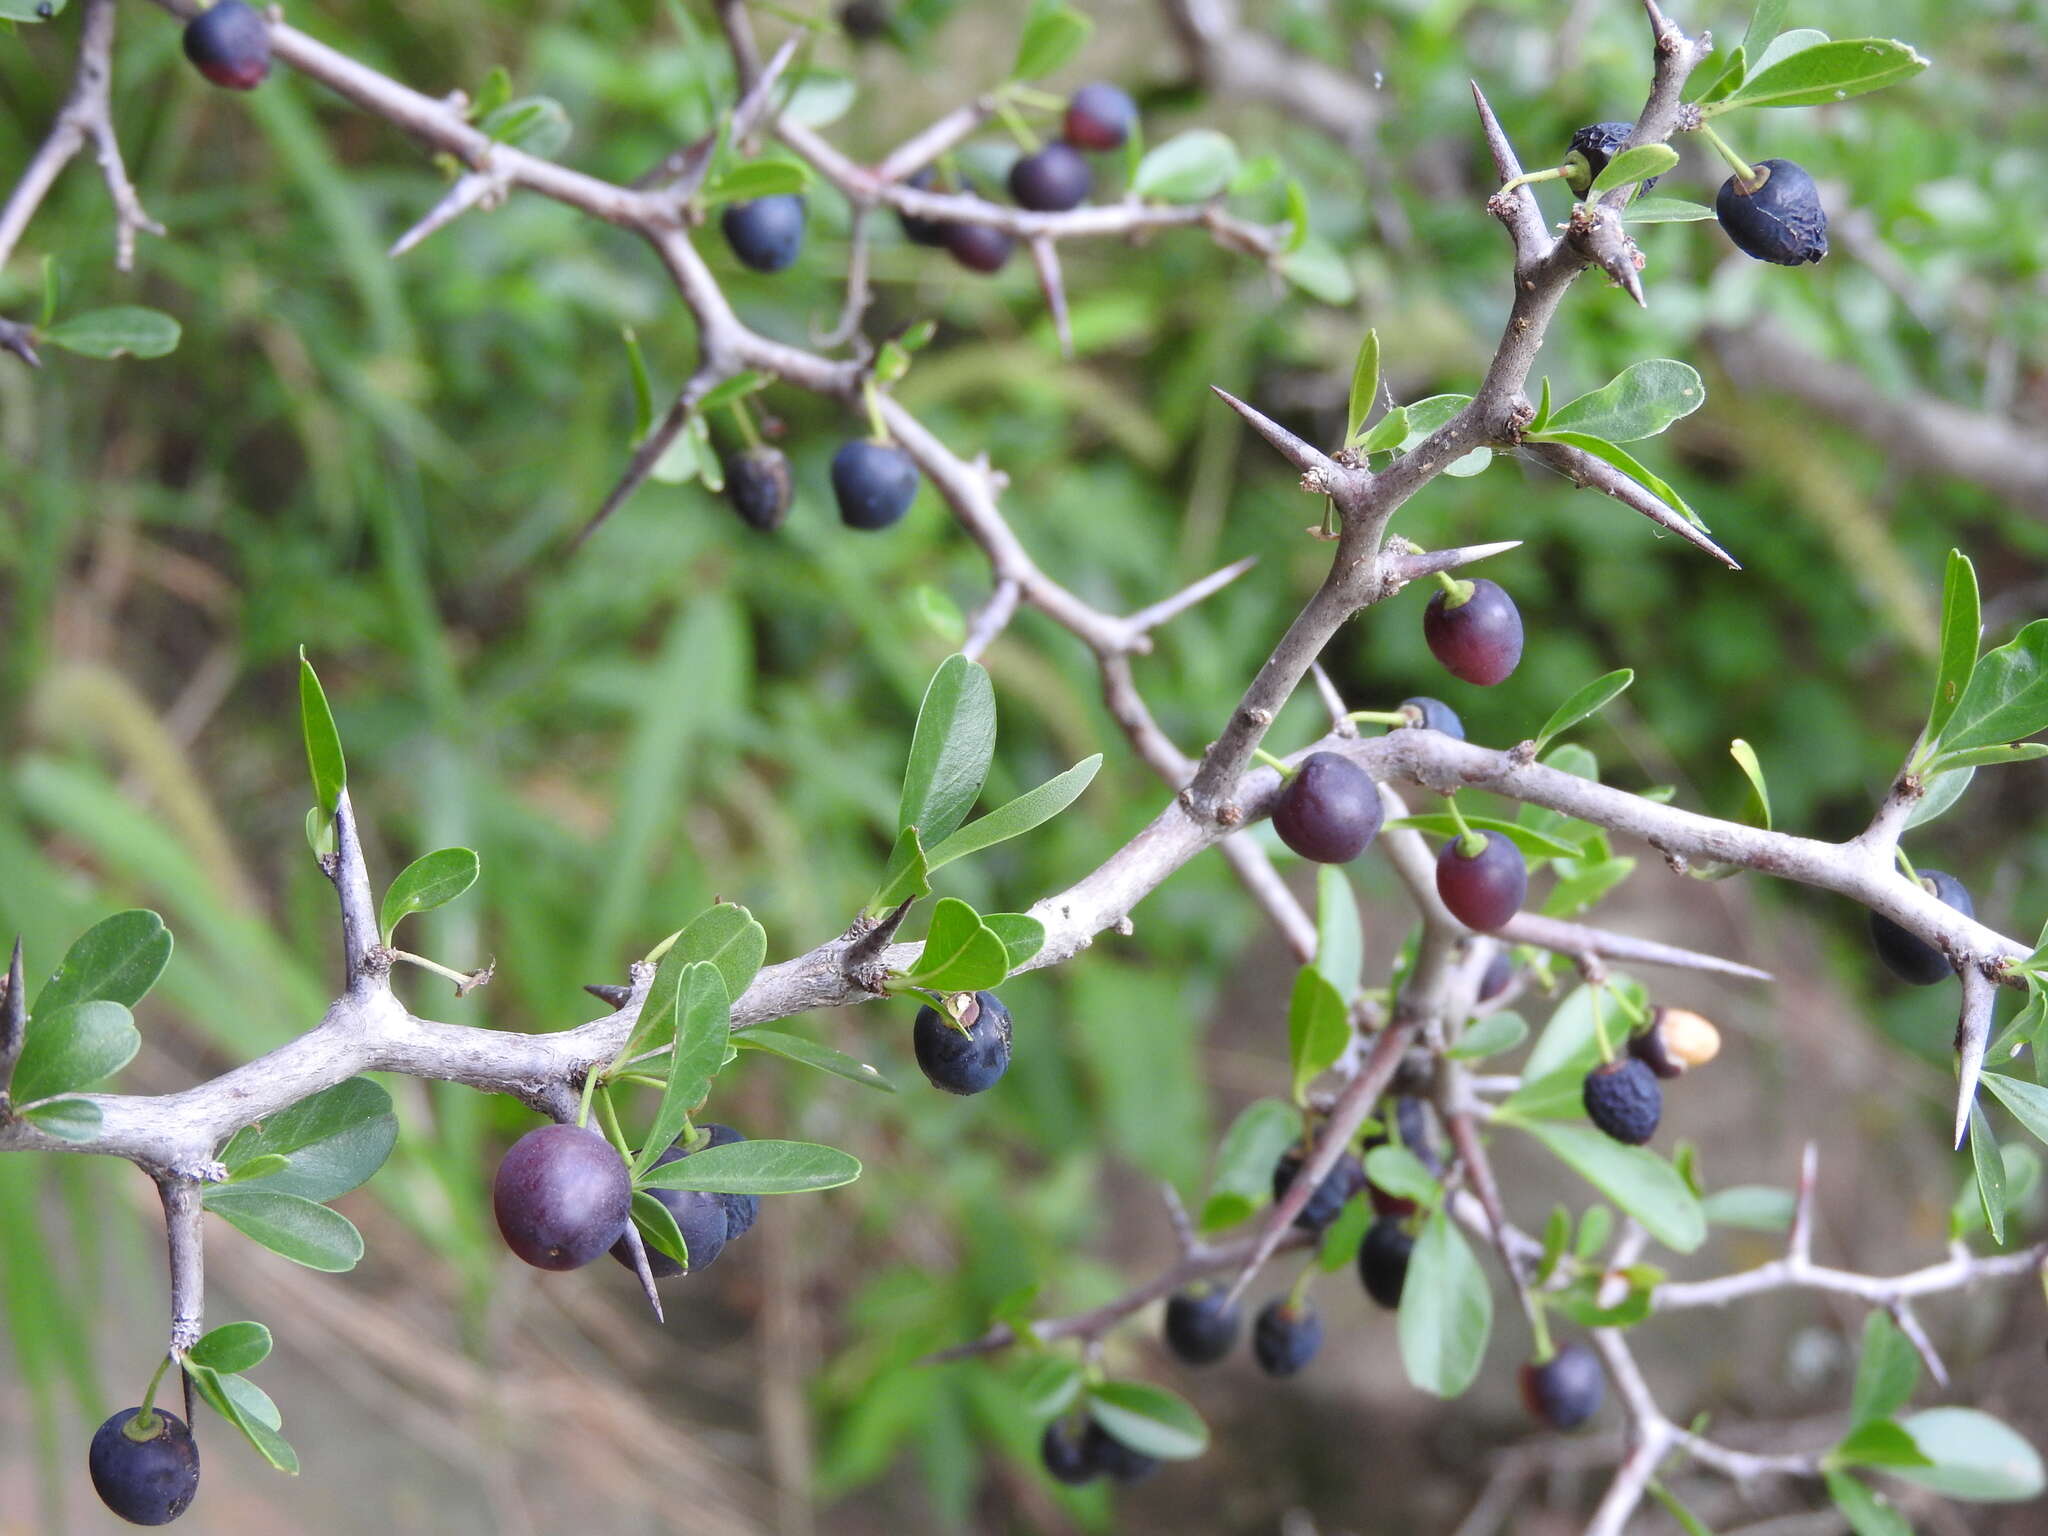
<point x="725" y="936"/>
<point x="1190" y="167"/>
<point x="430" y="881"/>
<point x="1943" y="791"/>
<point x="1320" y="270"/>
<point x="1783" y="46"/>
<point x="907" y="878"/>
<point x="492" y="94"/>
<point x="259" y="1168"/>
<point x="1446" y="1311"/>
<point x="1868" y="1512"/>
<point x="1757" y="812"/>
<point x="1489" y="1036"/>
<point x="1051" y="1386"/>
<point x="1400" y="1173"/>
<point x="1589" y="700"/>
<point x="1557" y="1232"/>
<point x="749" y="179"/>
<point x="1534" y="844"/>
<point x="1629" y="465"/>
<point x="643" y="388"/>
<point x="2027" y="1101"/>
<point x="302" y="1230"/>
<point x="1824" y="73"/>
<point x="1987" y="757"/>
<point x="811" y="1054"/>
<point x="1568" y="1041"/>
<point x="323" y="741"/>
<point x="1750" y="1207"/>
<point x="1973" y="1456"/>
<point x="733" y="390"/>
<point x="108" y="333"/>
<point x="1876" y="1443"/>
<point x="1031" y="809"/>
<point x="1149" y="1419"/>
<point x="1765" y="23"/>
<point x="703" y="1028"/>
<point x="319" y="832"/>
<point x="273" y="1448"/>
<point x="950" y="750"/>
<point x="1962" y="626"/>
<point x="73" y="1047"/>
<point x="116" y="960"/>
<point x="1318" y="1028"/>
<point x="1297" y="218"/>
<point x="66" y="1119"/>
<point x="2007" y="694"/>
<point x="961" y="953"/>
<point x="1725" y="70"/>
<point x="818" y="98"/>
<point x="658" y="1229"/>
<point x="1887" y="1373"/>
<point x="1340" y="935"/>
<point x="1582" y="884"/>
<point x="1386" y="434"/>
<point x="1469" y="464"/>
<point x="1638" y="1181"/>
<point x="1641" y="401"/>
<point x="1023" y="935"/>
<point x="1053" y="34"/>
<point x="757" y="1168"/>
<point x="1341" y="1238"/>
<point x="1365" y="384"/>
<point x="1990" y="1171"/>
<point x="254" y="1402"/>
<point x="1665" y="210"/>
<point x="1688" y="1522"/>
<point x="1633" y="165"/>
<point x="331" y="1142"/>
<point x="232" y="1347"/>
<point x="1263" y="1130"/>
<point x="539" y="125"/>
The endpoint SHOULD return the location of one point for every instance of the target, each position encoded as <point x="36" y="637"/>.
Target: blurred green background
<point x="380" y="461"/>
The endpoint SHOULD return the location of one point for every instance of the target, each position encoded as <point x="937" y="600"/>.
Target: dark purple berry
<point x="968" y="1061"/>
<point x="1485" y="890"/>
<point x="1433" y="715"/>
<point x="1115" y="1460"/>
<point x="740" y="1210"/>
<point x="767" y="233"/>
<point x="1780" y="220"/>
<point x="1908" y="956"/>
<point x="150" y="1481"/>
<point x="1201" y="1326"/>
<point x="230" y="44"/>
<point x="979" y="247"/>
<point x="1623" y="1099"/>
<point x="562" y="1196"/>
<point x="699" y="1216"/>
<point x="919" y="231"/>
<point x="758" y="485"/>
<point x="1500" y="970"/>
<point x="1383" y="1261"/>
<point x="1591" y="148"/>
<point x="865" y="21"/>
<point x="1329" y="810"/>
<point x="1065" y="1454"/>
<point x="875" y="483"/>
<point x="1343" y="1181"/>
<point x="1412" y="1121"/>
<point x="1053" y="180"/>
<point x="1099" y="116"/>
<point x="1286" y="1337"/>
<point x="1478" y="640"/>
<point x="1565" y="1391"/>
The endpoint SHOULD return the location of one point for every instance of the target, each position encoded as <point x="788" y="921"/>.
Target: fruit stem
<point x="871" y="397"/>
<point x="1549" y="173"/>
<point x="1539" y="1326"/>
<point x="608" y="1117"/>
<point x="1031" y="96"/>
<point x="462" y="982"/>
<point x="1745" y="173"/>
<point x="744" y="420"/>
<point x="1298" y="1292"/>
<point x="1014" y="121"/>
<point x="1262" y="755"/>
<point x="1395" y="717"/>
<point x="1600" y="996"/>
<point x="144" y="1419"/>
<point x="1905" y="865"/>
<point x="1456" y="593"/>
<point x="583" y="1106"/>
<point x="1636" y="1012"/>
<point x="1470" y="844"/>
<point x="1333" y="524"/>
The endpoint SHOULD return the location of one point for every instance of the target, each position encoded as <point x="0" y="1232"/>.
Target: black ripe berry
<point x="1780" y="220"/>
<point x="146" y="1481"/>
<point x="1623" y="1099"/>
<point x="758" y="485"/>
<point x="1566" y="1390"/>
<point x="1590" y="150"/>
<point x="1909" y="957"/>
<point x="562" y="1196"/>
<point x="919" y="231"/>
<point x="1115" y="1460"/>
<point x="699" y="1217"/>
<point x="1286" y="1337"/>
<point x="1479" y="639"/>
<point x="230" y="44"/>
<point x="1099" y="116"/>
<point x="1383" y="1261"/>
<point x="1338" y="1186"/>
<point x="1329" y="810"/>
<point x="1486" y="889"/>
<point x="865" y="21"/>
<point x="1065" y="1454"/>
<point x="1676" y="1040"/>
<point x="969" y="1060"/>
<point x="767" y="233"/>
<point x="1500" y="970"/>
<point x="740" y="1210"/>
<point x="875" y="483"/>
<point x="1433" y="715"/>
<point x="1053" y="180"/>
<point x="1201" y="1326"/>
<point x="979" y="247"/>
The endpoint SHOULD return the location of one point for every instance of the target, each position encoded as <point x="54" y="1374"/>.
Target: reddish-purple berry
<point x="1053" y="180"/>
<point x="979" y="247"/>
<point x="1329" y="810"/>
<point x="1099" y="117"/>
<point x="230" y="45"/>
<point x="1486" y="889"/>
<point x="1478" y="640"/>
<point x="1565" y="1391"/>
<point x="562" y="1196"/>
